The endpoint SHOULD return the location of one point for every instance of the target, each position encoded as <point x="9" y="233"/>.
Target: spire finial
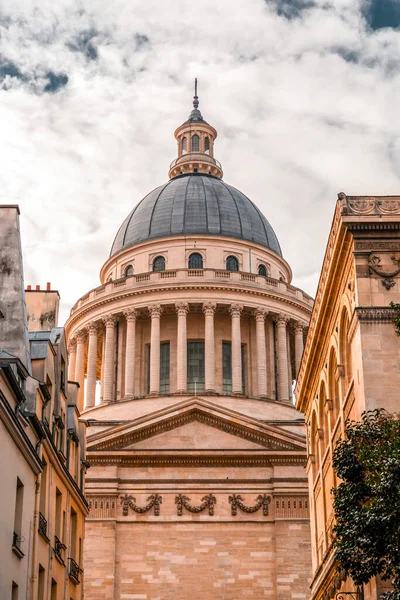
<point x="195" y="97"/>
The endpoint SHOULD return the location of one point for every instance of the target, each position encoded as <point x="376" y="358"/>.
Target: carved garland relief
<point x="376" y="267"/>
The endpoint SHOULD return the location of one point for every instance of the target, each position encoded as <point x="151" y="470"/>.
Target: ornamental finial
<point x="195" y="97"/>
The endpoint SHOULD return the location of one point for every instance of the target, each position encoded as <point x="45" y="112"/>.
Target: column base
<point x="181" y="393"/>
<point x="238" y="395"/>
<point x="262" y="397"/>
<point x="153" y="394"/>
<point x="210" y="393"/>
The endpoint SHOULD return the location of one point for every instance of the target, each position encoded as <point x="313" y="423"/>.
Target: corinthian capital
<point x="81" y="336"/>
<point x="182" y="308"/>
<point x="209" y="308"/>
<point x="298" y="327"/>
<point x="155" y="310"/>
<point x="71" y="346"/>
<point x="260" y="313"/>
<point x="92" y="328"/>
<point x="109" y="320"/>
<point x="236" y="310"/>
<point x="130" y="315"/>
<point x="281" y="320"/>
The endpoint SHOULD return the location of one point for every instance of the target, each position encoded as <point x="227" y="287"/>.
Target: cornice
<point x="176" y="460"/>
<point x="189" y="482"/>
<point x="373" y="314"/>
<point x="159" y="289"/>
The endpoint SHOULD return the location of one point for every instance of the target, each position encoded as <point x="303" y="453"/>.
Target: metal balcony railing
<point x="42" y="525"/>
<point x="16" y="544"/>
<point x="74" y="571"/>
<point x="59" y="548"/>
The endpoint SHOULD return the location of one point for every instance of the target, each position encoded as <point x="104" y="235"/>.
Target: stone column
<point x="182" y="309"/>
<point x="209" y="346"/>
<point x="109" y="353"/>
<point x="298" y="329"/>
<point x="260" y="314"/>
<point x="282" y="356"/>
<point x="80" y="367"/>
<point x="130" y="351"/>
<point x="71" y="359"/>
<point x="155" y="313"/>
<point x="236" y="310"/>
<point x="91" y="366"/>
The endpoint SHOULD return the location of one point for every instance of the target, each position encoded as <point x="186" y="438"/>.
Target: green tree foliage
<point x="367" y="501"/>
<point x="396" y="317"/>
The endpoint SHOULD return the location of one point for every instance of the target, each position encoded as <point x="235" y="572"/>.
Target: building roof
<point x="195" y="204"/>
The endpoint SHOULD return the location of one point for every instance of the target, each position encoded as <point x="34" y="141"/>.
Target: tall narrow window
<point x="58" y="513"/>
<point x="14" y="591"/>
<point x="226" y="367"/>
<point x="62" y="376"/>
<point x="19" y="500"/>
<point x="73" y="534"/>
<point x="195" y="261"/>
<point x="164" y="367"/>
<point x="207" y="145"/>
<point x="184" y="145"/>
<point x="195" y="143"/>
<point x="129" y="271"/>
<point x="232" y="263"/>
<point x="53" y="590"/>
<point x="243" y="369"/>
<point x="262" y="270"/>
<point x="41" y="583"/>
<point x="195" y="366"/>
<point x="159" y="263"/>
<point x="43" y="490"/>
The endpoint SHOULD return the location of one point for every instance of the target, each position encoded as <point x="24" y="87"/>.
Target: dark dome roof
<point x="195" y="204"/>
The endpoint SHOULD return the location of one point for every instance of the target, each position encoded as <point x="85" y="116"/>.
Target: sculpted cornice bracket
<point x="183" y="501"/>
<point x="130" y="502"/>
<point x="262" y="500"/>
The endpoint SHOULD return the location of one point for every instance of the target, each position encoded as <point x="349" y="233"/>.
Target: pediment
<point x="195" y="425"/>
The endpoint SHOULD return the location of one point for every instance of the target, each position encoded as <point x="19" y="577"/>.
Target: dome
<point x="193" y="204"/>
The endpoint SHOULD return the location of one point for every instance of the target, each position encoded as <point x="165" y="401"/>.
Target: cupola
<point x="195" y="139"/>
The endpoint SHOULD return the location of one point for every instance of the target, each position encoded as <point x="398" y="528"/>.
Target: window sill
<point x="17" y="551"/>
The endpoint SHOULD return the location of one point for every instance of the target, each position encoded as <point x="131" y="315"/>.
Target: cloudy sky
<point x="305" y="96"/>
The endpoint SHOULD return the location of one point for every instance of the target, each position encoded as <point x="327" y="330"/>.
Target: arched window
<point x="262" y="270"/>
<point x="333" y="388"/>
<point x="159" y="263"/>
<point x="195" y="261"/>
<point x="129" y="271"/>
<point x="195" y="143"/>
<point x="314" y="443"/>
<point x="207" y="145"/>
<point x="184" y="145"/>
<point x="345" y="350"/>
<point x="232" y="263"/>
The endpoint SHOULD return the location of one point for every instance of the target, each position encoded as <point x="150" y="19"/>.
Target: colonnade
<point x="88" y="337"/>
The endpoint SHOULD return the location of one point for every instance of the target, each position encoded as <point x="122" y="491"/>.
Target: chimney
<point x="29" y="287"/>
<point x="37" y="287"/>
<point x="48" y="287"/>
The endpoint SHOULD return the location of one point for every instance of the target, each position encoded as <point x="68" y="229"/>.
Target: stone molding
<point x="374" y="314"/>
<point x="372" y="245"/>
<point x="370" y="205"/>
<point x="215" y="460"/>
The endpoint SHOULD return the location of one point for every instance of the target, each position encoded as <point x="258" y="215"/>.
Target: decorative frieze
<point x="102" y="507"/>
<point x="153" y="501"/>
<point x="374" y="314"/>
<point x="207" y="501"/>
<point x="291" y="507"/>
<point x="370" y="205"/>
<point x="262" y="500"/>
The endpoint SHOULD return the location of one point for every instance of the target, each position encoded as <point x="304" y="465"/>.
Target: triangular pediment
<point x="195" y="425"/>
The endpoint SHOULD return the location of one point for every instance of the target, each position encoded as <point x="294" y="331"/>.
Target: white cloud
<point x="305" y="107"/>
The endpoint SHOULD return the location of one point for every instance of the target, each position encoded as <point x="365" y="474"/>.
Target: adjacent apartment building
<point x="351" y="360"/>
<point x="42" y="439"/>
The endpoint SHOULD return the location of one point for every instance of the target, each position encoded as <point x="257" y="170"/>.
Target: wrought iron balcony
<point x="59" y="548"/>
<point x="74" y="571"/>
<point x="43" y="526"/>
<point x="16" y="545"/>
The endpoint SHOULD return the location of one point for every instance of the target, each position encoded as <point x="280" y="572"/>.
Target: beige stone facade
<point x="187" y="353"/>
<point x="351" y="361"/>
<point x="42" y="459"/>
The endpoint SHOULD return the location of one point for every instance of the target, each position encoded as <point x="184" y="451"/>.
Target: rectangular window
<point x="19" y="499"/>
<point x="58" y="513"/>
<point x="195" y="367"/>
<point x="43" y="488"/>
<point x="227" y="368"/>
<point x="14" y="591"/>
<point x="41" y="583"/>
<point x="73" y="534"/>
<point x="164" y="367"/>
<point x="53" y="590"/>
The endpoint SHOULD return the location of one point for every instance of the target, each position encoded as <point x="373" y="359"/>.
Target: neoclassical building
<point x="185" y="356"/>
